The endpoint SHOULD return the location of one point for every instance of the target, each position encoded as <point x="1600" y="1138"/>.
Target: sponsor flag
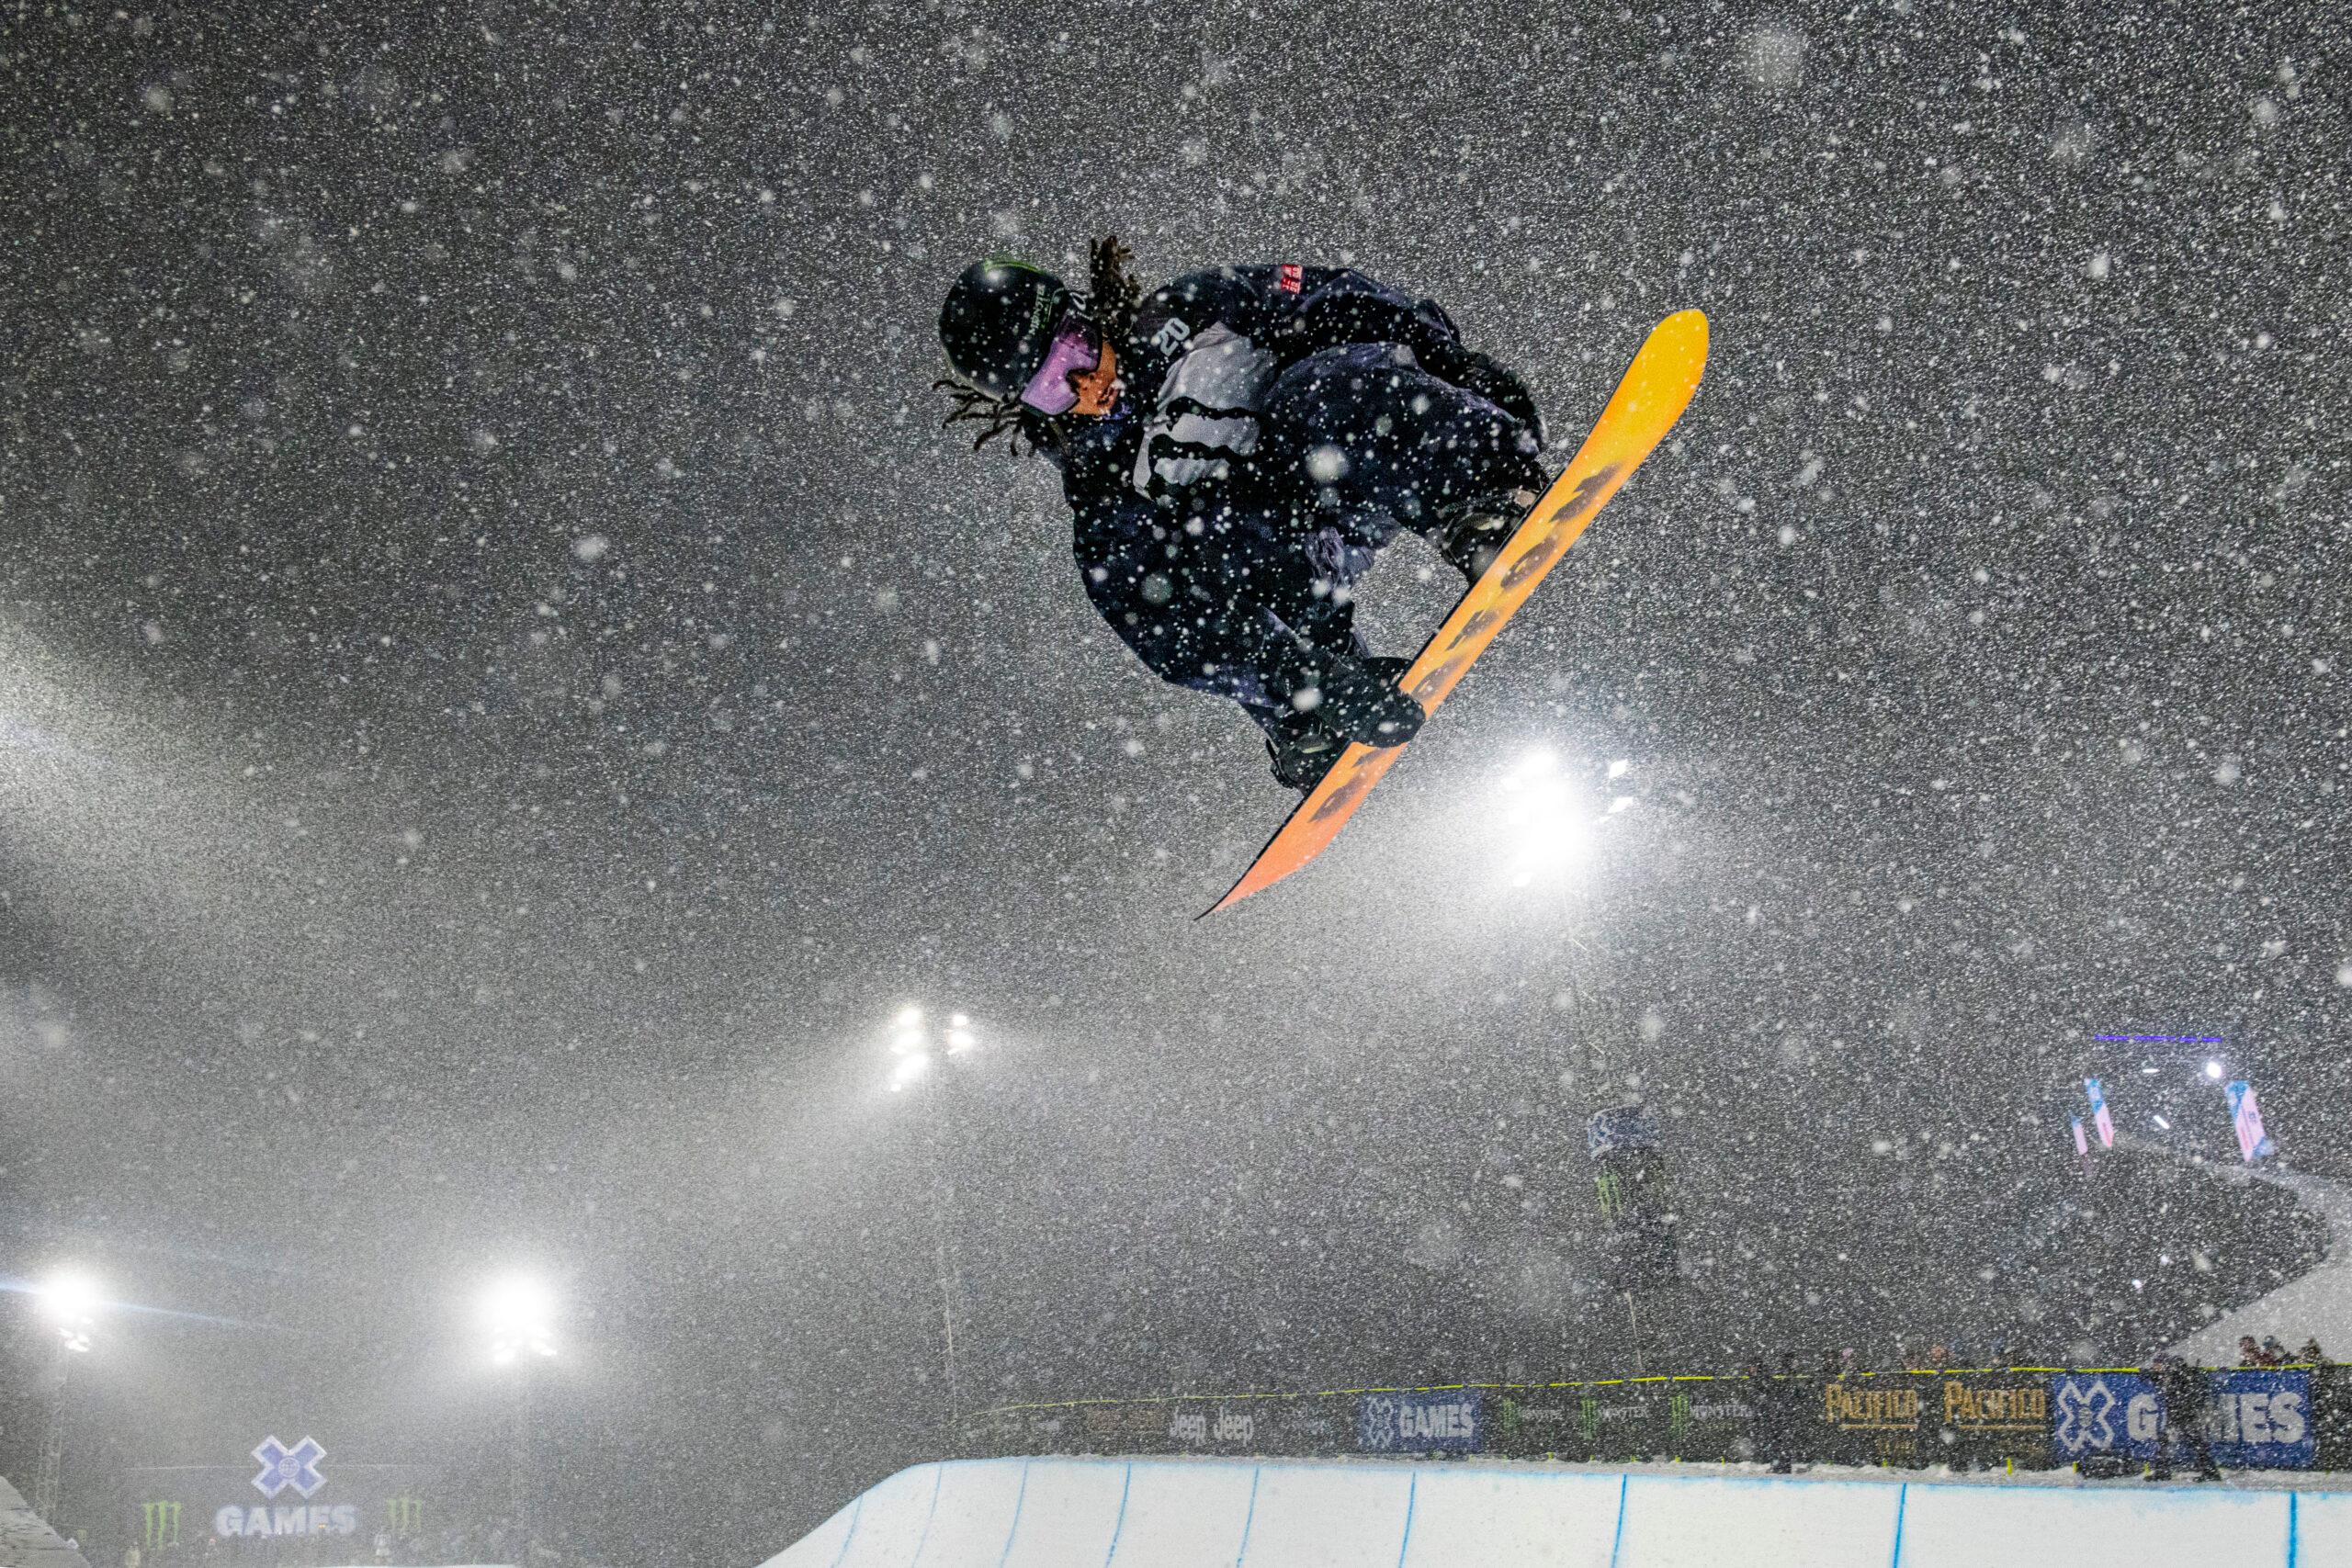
<point x="2253" y="1144"/>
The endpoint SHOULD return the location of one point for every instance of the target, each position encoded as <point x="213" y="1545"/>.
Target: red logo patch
<point x="1288" y="278"/>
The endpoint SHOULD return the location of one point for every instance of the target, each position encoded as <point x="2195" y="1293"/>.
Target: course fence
<point x="2288" y="1418"/>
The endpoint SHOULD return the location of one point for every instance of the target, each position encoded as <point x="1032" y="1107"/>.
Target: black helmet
<point x="998" y="323"/>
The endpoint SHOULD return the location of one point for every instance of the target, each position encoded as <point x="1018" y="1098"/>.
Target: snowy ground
<point x="2318" y="1304"/>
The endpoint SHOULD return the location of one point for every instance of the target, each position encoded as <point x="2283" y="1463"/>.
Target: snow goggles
<point x="1077" y="372"/>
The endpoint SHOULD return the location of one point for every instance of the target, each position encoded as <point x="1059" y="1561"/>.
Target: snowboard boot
<point x="1471" y="535"/>
<point x="1359" y="700"/>
<point x="1362" y="701"/>
<point x="1302" y="752"/>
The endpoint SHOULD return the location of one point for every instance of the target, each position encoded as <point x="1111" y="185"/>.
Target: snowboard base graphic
<point x="1652" y="395"/>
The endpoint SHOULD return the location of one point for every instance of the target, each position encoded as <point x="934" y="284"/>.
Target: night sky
<point x="504" y="691"/>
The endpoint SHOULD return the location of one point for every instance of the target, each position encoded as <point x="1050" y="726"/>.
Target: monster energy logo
<point x="1587" y="1417"/>
<point x="406" y="1515"/>
<point x="159" y="1524"/>
<point x="1677" y="1417"/>
<point x="1611" y="1189"/>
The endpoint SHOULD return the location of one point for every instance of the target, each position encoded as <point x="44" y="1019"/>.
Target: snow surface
<point x="1291" y="1514"/>
<point x="26" y="1540"/>
<point x="2317" y="1304"/>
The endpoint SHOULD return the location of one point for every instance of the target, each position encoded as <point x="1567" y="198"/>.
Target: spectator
<point x="1785" y="1396"/>
<point x="2311" y="1352"/>
<point x="2181" y="1400"/>
<point x="2273" y="1353"/>
<point x="2249" y="1353"/>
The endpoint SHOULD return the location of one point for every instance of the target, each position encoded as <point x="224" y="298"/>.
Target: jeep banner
<point x="1437" y="1421"/>
<point x="2255" y="1420"/>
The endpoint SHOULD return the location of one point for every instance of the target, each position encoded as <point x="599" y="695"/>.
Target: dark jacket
<point x="1188" y="525"/>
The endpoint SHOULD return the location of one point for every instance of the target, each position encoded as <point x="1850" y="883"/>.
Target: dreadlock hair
<point x="1113" y="298"/>
<point x="1112" y="295"/>
<point x="1008" y="417"/>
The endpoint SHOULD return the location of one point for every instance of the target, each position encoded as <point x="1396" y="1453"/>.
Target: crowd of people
<point x="2268" y="1352"/>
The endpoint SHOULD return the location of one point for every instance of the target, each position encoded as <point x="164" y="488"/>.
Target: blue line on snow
<point x="1015" y="1528"/>
<point x="1412" y="1491"/>
<point x="938" y="1474"/>
<point x="1249" y="1518"/>
<point x="1617" y="1542"/>
<point x="1901" y="1498"/>
<point x="2293" y="1533"/>
<point x="856" y="1512"/>
<point x="1120" y="1523"/>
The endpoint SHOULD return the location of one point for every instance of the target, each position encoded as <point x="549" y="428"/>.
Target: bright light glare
<point x="2213" y="1069"/>
<point x="2164" y="1125"/>
<point x="68" y="1299"/>
<point x="959" y="1041"/>
<point x="958" y="1020"/>
<point x="910" y="1017"/>
<point x="519" y="1312"/>
<point x="1549" y="833"/>
<point x="911" y="1067"/>
<point x="517" y="1303"/>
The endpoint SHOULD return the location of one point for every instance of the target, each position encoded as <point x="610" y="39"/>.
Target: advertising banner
<point x="1438" y="1421"/>
<point x="2245" y="1115"/>
<point x="1714" y="1419"/>
<point x="1858" y="1420"/>
<point x="287" y="1489"/>
<point x="1988" y="1418"/>
<point x="1535" y="1422"/>
<point x="2255" y="1420"/>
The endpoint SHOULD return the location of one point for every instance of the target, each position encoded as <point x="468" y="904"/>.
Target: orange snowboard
<point x="1656" y="390"/>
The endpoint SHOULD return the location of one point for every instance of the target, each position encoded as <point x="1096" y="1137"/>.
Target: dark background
<point x="504" y="691"/>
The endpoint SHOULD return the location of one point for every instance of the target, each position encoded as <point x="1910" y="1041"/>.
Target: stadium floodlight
<point x="519" y="1313"/>
<point x="2213" y="1071"/>
<point x="1550" y="831"/>
<point x="69" y="1299"/>
<point x="915" y="1042"/>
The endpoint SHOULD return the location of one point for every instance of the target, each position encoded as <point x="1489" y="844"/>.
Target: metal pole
<point x="942" y="1201"/>
<point x="1632" y="1319"/>
<point x="518" y="1470"/>
<point x="52" y="1438"/>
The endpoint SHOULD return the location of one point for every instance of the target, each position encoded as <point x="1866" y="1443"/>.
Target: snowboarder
<point x="1236" y="448"/>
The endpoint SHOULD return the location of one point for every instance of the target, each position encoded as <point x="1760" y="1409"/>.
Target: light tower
<point x="70" y="1301"/>
<point x="517" y="1316"/>
<point x="917" y="1042"/>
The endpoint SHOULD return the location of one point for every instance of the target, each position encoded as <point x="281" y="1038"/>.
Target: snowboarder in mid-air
<point x="1236" y="448"/>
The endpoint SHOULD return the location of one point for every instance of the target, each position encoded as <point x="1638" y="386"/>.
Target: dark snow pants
<point x="1373" y="443"/>
<point x="1381" y="444"/>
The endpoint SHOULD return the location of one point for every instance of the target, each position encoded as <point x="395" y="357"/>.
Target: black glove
<point x="1359" y="699"/>
<point x="1499" y="385"/>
